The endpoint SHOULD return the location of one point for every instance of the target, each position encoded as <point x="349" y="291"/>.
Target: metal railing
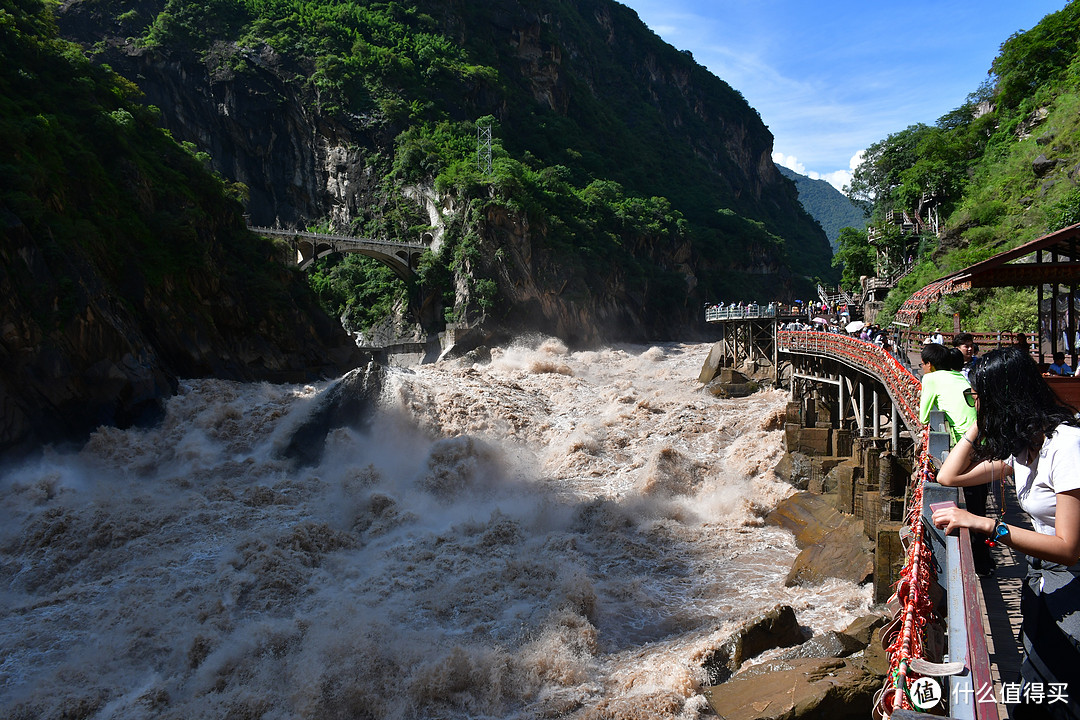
<point x="748" y="312"/>
<point x="966" y="641"/>
<point x="328" y="237"/>
<point x="903" y="387"/>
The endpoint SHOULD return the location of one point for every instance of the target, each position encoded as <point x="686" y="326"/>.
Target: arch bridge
<point x="402" y="257"/>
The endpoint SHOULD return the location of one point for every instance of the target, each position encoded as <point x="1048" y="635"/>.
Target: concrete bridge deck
<point x="402" y="257"/>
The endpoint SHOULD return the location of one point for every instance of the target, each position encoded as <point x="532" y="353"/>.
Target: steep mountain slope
<point x="125" y="266"/>
<point x="629" y="185"/>
<point x="999" y="170"/>
<point x="832" y="209"/>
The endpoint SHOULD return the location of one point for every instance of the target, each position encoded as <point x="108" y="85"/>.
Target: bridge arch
<point x="401" y="257"/>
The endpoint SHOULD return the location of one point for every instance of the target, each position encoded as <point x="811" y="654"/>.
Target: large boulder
<point x="794" y="468"/>
<point x="810" y="680"/>
<point x="345" y="403"/>
<point x="730" y="383"/>
<point x="833" y="544"/>
<point x="775" y="629"/>
<point x="833" y="688"/>
<point x="711" y="366"/>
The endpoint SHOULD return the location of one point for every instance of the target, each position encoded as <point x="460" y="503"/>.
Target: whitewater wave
<point x="548" y="533"/>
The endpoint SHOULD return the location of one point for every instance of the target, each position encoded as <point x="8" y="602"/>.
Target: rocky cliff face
<point x="261" y="124"/>
<point x="124" y="265"/>
<point x="80" y="351"/>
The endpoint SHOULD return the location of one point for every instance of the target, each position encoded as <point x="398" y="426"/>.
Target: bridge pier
<point x="750" y="343"/>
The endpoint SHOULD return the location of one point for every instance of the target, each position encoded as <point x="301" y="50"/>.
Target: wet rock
<point x="711" y="366"/>
<point x="834" y="688"/>
<point x="862" y="628"/>
<point x="731" y="383"/>
<point x="477" y="356"/>
<point x="830" y="644"/>
<point x="808" y="516"/>
<point x="845" y="553"/>
<point x="795" y="469"/>
<point x="833" y="544"/>
<point x="775" y="629"/>
<point x="346" y="403"/>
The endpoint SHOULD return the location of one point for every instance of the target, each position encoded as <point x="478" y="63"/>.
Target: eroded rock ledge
<point x="834" y="675"/>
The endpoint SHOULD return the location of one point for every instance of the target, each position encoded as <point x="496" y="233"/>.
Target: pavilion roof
<point x="1017" y="267"/>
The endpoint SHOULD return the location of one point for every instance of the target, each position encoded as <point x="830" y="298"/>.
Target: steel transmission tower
<point x="483" y="148"/>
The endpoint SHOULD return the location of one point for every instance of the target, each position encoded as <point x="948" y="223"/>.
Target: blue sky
<point x="832" y="77"/>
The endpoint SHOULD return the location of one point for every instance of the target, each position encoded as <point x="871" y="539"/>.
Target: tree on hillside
<point x="1037" y="58"/>
<point x="922" y="165"/>
<point x="855" y="255"/>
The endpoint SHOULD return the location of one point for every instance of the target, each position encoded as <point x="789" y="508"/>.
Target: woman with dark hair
<point x="1023" y="431"/>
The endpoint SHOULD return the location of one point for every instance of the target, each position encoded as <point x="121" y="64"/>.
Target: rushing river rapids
<point x="548" y="534"/>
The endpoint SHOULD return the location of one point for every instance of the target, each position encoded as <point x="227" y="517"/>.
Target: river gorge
<point x="536" y="532"/>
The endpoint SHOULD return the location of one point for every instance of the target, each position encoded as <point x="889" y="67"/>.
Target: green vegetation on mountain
<point x="126" y="264"/>
<point x="832" y="209"/>
<point x="1000" y="170"/>
<point x="89" y="173"/>
<point x="609" y="149"/>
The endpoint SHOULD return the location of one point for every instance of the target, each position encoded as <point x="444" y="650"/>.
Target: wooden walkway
<point x="999" y="598"/>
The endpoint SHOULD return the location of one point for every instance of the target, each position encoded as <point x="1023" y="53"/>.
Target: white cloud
<point x="838" y="179"/>
<point x="856" y="160"/>
<point x="789" y="161"/>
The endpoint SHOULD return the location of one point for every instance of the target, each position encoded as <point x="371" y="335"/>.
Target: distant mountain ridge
<point x="832" y="209"/>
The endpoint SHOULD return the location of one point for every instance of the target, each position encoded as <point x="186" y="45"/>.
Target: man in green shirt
<point x="943" y="387"/>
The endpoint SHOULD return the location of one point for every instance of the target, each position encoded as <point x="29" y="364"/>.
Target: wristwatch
<point x="1001" y="531"/>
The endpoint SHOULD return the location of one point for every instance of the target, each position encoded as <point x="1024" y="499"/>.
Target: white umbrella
<point x="855" y="326"/>
<point x="821" y="321"/>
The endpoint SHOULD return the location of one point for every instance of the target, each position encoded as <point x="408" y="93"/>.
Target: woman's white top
<point x="1054" y="469"/>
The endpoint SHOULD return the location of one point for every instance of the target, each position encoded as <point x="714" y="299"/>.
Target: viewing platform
<point x="854" y="415"/>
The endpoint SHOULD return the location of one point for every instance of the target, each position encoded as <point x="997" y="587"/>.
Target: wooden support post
<point x="1039" y="311"/>
<point x="776" y="351"/>
<point x="1070" y="344"/>
<point x="1054" y="326"/>
<point x="862" y="408"/>
<point x="895" y="429"/>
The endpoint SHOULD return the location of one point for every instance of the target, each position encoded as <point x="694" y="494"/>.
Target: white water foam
<point x="549" y="533"/>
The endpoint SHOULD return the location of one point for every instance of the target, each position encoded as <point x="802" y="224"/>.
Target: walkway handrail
<point x="934" y="558"/>
<point x="903" y="387"/>
<point x="333" y="238"/>
<point x="749" y="312"/>
<point x="905" y="636"/>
